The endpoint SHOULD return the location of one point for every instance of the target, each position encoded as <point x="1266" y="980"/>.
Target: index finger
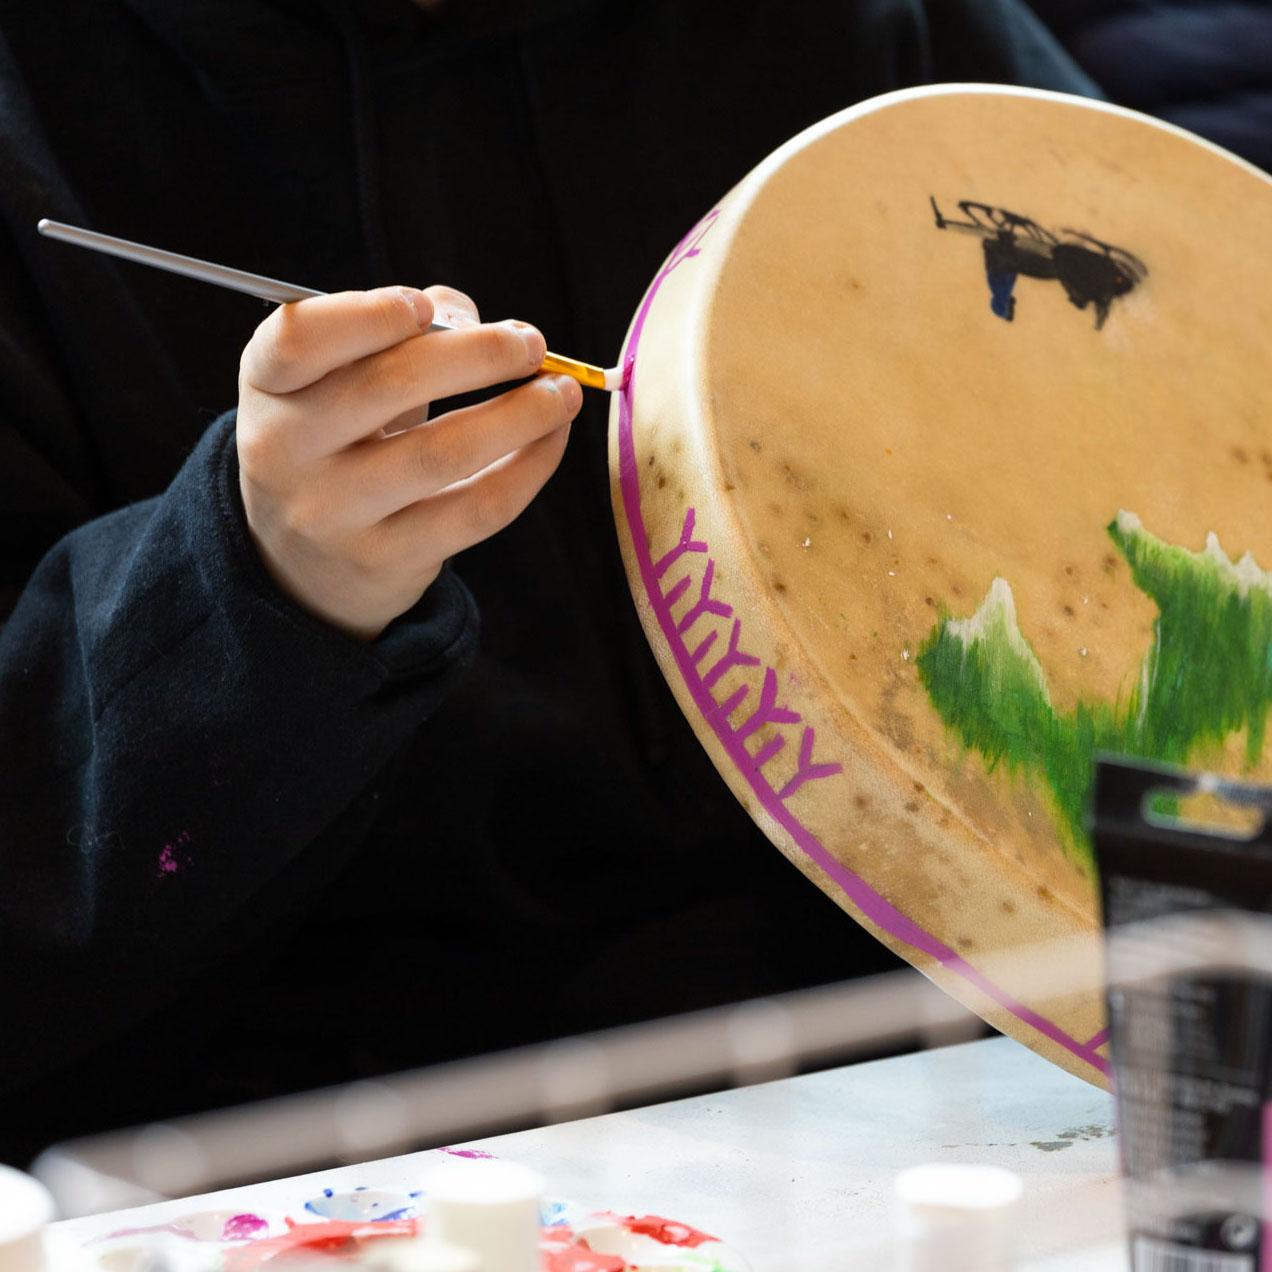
<point x="303" y="341"/>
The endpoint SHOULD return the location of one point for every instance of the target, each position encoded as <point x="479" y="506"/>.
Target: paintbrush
<point x="272" y="289"/>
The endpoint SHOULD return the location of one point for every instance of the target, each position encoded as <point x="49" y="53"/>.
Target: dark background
<point x="1205" y="65"/>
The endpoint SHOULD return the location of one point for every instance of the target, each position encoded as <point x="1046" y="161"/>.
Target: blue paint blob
<point x="1001" y="285"/>
<point x="552" y="1214"/>
<point x="363" y="1205"/>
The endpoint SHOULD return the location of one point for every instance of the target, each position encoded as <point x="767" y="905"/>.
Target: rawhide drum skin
<point x="944" y="463"/>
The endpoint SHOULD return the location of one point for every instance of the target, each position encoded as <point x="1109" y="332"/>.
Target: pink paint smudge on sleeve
<point x="170" y="861"/>
<point x="475" y="1154"/>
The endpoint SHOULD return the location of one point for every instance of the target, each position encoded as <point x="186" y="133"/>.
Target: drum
<point x="944" y="462"/>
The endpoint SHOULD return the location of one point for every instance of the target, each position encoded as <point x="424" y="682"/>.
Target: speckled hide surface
<point x="944" y="460"/>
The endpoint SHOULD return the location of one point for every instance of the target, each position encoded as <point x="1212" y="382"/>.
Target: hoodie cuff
<point x="440" y="629"/>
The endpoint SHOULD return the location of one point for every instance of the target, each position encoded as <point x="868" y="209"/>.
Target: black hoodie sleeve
<point x="185" y="755"/>
<point x="173" y="733"/>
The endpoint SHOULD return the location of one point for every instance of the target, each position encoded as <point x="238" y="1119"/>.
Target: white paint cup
<point x="952" y="1218"/>
<point x="490" y="1208"/>
<point x="26" y="1207"/>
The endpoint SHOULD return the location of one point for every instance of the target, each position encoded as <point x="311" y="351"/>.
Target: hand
<point x="354" y="497"/>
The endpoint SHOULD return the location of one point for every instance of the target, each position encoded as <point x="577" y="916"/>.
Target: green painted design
<point x="1206" y="676"/>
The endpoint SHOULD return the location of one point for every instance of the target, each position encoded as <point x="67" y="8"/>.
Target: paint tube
<point x="1190" y="1012"/>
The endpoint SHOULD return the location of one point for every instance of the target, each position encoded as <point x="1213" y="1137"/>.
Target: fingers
<point x="352" y="518"/>
<point x="453" y="309"/>
<point x="356" y="401"/>
<point x="386" y="475"/>
<point x="473" y="510"/>
<point x="300" y="343"/>
<point x="443" y="364"/>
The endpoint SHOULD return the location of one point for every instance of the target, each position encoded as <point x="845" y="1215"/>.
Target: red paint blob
<point x="667" y="1231"/>
<point x="336" y="1235"/>
<point x="577" y="1260"/>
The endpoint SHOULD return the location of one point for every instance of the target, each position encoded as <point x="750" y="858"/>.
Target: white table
<point x="797" y="1174"/>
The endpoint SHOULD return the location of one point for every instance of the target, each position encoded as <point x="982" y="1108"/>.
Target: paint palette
<point x="943" y="462"/>
<point x="361" y="1225"/>
<point x="191" y="1242"/>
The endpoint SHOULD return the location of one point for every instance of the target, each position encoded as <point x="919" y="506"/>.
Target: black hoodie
<point x="240" y="853"/>
<point x="1205" y="65"/>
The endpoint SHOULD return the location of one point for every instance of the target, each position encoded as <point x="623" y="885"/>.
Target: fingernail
<point x="571" y="392"/>
<point x="422" y="305"/>
<point x="456" y="318"/>
<point x="567" y="388"/>
<point x="536" y="346"/>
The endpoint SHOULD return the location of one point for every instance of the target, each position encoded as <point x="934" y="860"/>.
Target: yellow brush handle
<point x="592" y="376"/>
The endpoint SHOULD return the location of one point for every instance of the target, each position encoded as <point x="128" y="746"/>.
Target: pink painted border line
<point x="871" y="904"/>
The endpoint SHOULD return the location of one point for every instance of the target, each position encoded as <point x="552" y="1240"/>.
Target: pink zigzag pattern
<point x="769" y="710"/>
<point x="872" y="905"/>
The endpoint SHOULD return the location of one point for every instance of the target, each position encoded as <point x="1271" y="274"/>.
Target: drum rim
<point x="969" y="88"/>
<point x="628" y="497"/>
